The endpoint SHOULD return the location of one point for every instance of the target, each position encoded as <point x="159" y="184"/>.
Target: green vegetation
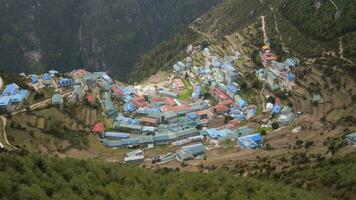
<point x="31" y="176"/>
<point x="163" y="56"/>
<point x="187" y="91"/>
<point x="337" y="174"/>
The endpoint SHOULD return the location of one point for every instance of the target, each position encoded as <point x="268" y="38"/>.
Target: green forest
<point x="31" y="176"/>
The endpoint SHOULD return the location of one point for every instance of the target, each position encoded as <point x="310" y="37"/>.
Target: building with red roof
<point x="158" y="99"/>
<point x="220" y="109"/>
<point x="178" y="84"/>
<point x="98" y="128"/>
<point x="139" y="101"/>
<point x="167" y="108"/>
<point x="90" y="98"/>
<point x="218" y="94"/>
<point x="170" y="101"/>
<point x="117" y="92"/>
<point x="79" y="73"/>
<point x="226" y="103"/>
<point x="149" y="121"/>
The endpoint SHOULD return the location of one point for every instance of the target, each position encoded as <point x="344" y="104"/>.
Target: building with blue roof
<point x="46" y="77"/>
<point x="192" y="116"/>
<point x="53" y="72"/>
<point x="127" y="120"/>
<point x="276" y="109"/>
<point x="253" y="141"/>
<point x="65" y="82"/>
<point x="5" y="103"/>
<point x="129" y="107"/>
<point x="57" y="99"/>
<point x="20" y="96"/>
<point x="146" y="111"/>
<point x="242" y="103"/>
<point x="10" y="89"/>
<point x="190" y="152"/>
<point x="116" y="135"/>
<point x="109" y="107"/>
<point x="34" y="79"/>
<point x="351" y="138"/>
<point x="286" y="119"/>
<point x="130" y="142"/>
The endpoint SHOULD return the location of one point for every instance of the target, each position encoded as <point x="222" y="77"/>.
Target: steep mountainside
<point x="34" y="177"/>
<point x="37" y="35"/>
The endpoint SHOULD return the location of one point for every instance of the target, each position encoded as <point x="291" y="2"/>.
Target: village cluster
<point x="198" y="107"/>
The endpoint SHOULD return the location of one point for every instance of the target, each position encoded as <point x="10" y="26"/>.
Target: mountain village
<point x="197" y="109"/>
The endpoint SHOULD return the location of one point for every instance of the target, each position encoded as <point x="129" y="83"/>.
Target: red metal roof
<point x="167" y="108"/>
<point x="98" y="128"/>
<point x="139" y="101"/>
<point x="221" y="108"/>
<point x="91" y="98"/>
<point x="222" y="95"/>
<point x="116" y="91"/>
<point x="149" y="120"/>
<point x="156" y="99"/>
<point x="226" y="103"/>
<point x="170" y="101"/>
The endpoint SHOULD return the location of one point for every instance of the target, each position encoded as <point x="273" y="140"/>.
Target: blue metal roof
<point x="46" y="77"/>
<point x="194" y="149"/>
<point x="116" y="135"/>
<point x="251" y="141"/>
<point x="5" y="100"/>
<point x="127" y="120"/>
<point x="34" y="79"/>
<point x="129" y="107"/>
<point x="242" y="103"/>
<point x="276" y="109"/>
<point x="192" y="116"/>
<point x="10" y="89"/>
<point x="19" y="97"/>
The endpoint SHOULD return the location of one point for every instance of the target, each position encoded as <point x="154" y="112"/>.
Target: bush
<point x="275" y="125"/>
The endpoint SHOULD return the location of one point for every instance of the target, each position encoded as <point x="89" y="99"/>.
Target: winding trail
<point x="284" y="47"/>
<point x="337" y="8"/>
<point x="4" y="135"/>
<point x="262" y="97"/>
<point x="341" y="52"/>
<point x="3" y="120"/>
<point x="265" y="37"/>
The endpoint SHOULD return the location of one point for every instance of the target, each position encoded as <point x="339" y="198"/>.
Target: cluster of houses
<point x="41" y="81"/>
<point x="284" y="114"/>
<point x="278" y="75"/>
<point x="12" y="97"/>
<point x="219" y="77"/>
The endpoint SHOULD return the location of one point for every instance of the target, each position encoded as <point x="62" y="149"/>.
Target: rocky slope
<point x="37" y="35"/>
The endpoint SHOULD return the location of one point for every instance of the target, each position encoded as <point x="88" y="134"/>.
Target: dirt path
<point x="3" y="135"/>
<point x="265" y="37"/>
<point x="262" y="97"/>
<point x="39" y="104"/>
<point x="334" y="4"/>
<point x="341" y="52"/>
<point x="284" y="47"/>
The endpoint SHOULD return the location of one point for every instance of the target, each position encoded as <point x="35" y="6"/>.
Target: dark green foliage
<point x="37" y="35"/>
<point x="275" y="125"/>
<point x="336" y="174"/>
<point x="163" y="55"/>
<point x="321" y="23"/>
<point x="30" y="176"/>
<point x="76" y="138"/>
